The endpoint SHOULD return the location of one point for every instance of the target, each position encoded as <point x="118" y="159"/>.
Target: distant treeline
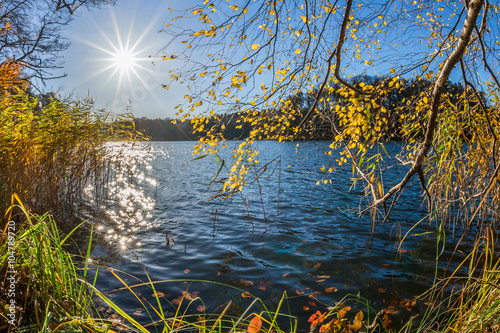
<point x="236" y="129"/>
<point x="169" y="130"/>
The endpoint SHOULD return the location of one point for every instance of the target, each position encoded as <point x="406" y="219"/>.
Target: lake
<point x="288" y="235"/>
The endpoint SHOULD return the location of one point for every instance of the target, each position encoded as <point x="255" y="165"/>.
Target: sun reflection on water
<point x="129" y="197"/>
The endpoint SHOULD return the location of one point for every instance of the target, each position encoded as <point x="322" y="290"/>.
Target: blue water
<point x="290" y="235"/>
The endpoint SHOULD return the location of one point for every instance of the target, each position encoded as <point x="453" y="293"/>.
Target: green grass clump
<point x="48" y="293"/>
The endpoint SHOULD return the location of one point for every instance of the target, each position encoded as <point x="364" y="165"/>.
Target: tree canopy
<point x="30" y="33"/>
<point x="257" y="57"/>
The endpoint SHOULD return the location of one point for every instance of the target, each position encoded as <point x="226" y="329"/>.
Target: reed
<point x="468" y="303"/>
<point x="52" y="151"/>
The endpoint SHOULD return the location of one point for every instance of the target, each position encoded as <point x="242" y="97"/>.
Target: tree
<point x="259" y="52"/>
<point x="30" y="32"/>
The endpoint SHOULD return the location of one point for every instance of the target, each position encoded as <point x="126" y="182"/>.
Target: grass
<point x="52" y="291"/>
<point x="55" y="291"/>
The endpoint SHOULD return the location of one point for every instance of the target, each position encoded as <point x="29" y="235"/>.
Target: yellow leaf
<point x="393" y="70"/>
<point x="255" y="46"/>
<point x="297" y="51"/>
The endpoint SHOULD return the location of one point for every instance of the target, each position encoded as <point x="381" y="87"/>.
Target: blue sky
<point x="95" y="34"/>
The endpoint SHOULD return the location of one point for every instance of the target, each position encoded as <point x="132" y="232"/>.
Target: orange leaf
<point x="246" y="294"/>
<point x="158" y="294"/>
<point x="255" y="325"/>
<point x="200" y="308"/>
<point x="262" y="287"/>
<point x="311" y="303"/>
<point x="331" y="290"/>
<point x="358" y="322"/>
<point x="187" y="271"/>
<point x="305" y="307"/>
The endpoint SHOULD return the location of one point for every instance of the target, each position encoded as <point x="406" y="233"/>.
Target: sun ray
<point x="122" y="62"/>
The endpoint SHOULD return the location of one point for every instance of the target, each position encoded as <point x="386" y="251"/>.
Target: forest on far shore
<point x="236" y="128"/>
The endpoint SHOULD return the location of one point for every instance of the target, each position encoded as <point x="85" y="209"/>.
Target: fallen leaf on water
<point x="358" y="322"/>
<point x="381" y="290"/>
<point x="410" y="304"/>
<point x="330" y="290"/>
<point x="286" y="274"/>
<point x="387" y="321"/>
<point x="177" y="301"/>
<point x="305" y="307"/>
<point x="343" y="311"/>
<point x="255" y="325"/>
<point x="319" y="281"/>
<point x="194" y="294"/>
<point x="200" y="308"/>
<point x="300" y="292"/>
<point x="187" y="295"/>
<point x="187" y="271"/>
<point x="246" y="282"/>
<point x="158" y="294"/>
<point x="402" y="250"/>
<point x="261" y="287"/>
<point x="316" y="319"/>
<point x="311" y="303"/>
<point x="317" y="265"/>
<point x="323" y="276"/>
<point x="218" y="273"/>
<point x="246" y="294"/>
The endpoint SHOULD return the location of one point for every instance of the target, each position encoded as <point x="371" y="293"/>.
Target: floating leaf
<point x="286" y="274"/>
<point x="316" y="319"/>
<point x="261" y="287"/>
<point x="246" y="294"/>
<point x="186" y="271"/>
<point x="305" y="307"/>
<point x="200" y="308"/>
<point x="381" y="290"/>
<point x="158" y="294"/>
<point x="358" y="322"/>
<point x="255" y="325"/>
<point x="187" y="295"/>
<point x="330" y="290"/>
<point x="300" y="292"/>
<point x="312" y="303"/>
<point x="246" y="282"/>
<point x="343" y="311"/>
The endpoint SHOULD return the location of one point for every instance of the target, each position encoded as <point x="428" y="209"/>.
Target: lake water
<point x="290" y="235"/>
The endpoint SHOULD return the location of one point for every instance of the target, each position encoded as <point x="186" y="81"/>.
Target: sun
<point x="124" y="60"/>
